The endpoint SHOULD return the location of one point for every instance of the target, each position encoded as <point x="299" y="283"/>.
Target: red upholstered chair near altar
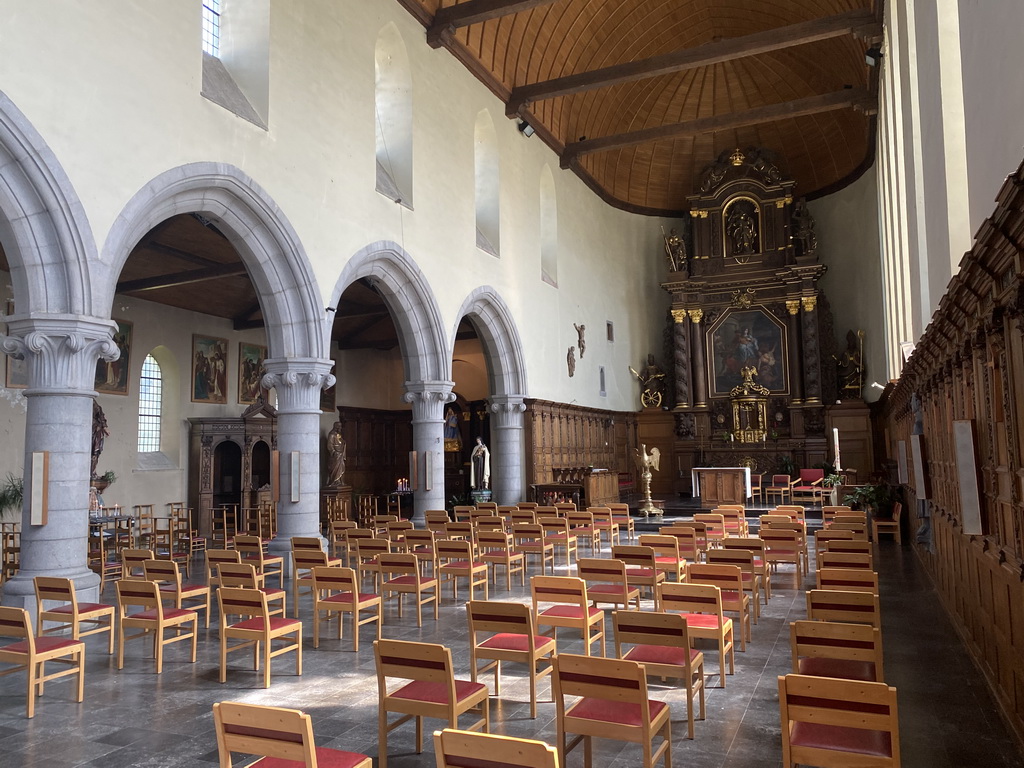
<point x="835" y="723"/>
<point x="457" y="749"/>
<point x="336" y="591"/>
<point x="781" y="486"/>
<point x="279" y="736"/>
<point x="31" y="654"/>
<point x="661" y="643"/>
<point x="809" y="486"/>
<point x="429" y="689"/>
<point x="836" y="649"/>
<point x="512" y="636"/>
<point x="612" y="704"/>
<point x="71" y="613"/>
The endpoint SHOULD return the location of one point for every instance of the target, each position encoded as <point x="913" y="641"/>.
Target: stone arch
<point x="409" y="298"/>
<point x="46" y="234"/>
<point x="503" y="349"/>
<point x="255" y="226"/>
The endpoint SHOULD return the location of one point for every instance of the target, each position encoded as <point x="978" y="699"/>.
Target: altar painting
<point x="745" y="338"/>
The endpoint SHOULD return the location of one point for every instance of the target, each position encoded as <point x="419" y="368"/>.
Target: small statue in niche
<point x="337" y="450"/>
<point x="743" y="232"/>
<point x="803" y="228"/>
<point x="570" y="361"/>
<point x="850" y="367"/>
<point x="480" y="466"/>
<point x="581" y="342"/>
<point x="675" y="251"/>
<point x="652" y="383"/>
<point x="99" y="434"/>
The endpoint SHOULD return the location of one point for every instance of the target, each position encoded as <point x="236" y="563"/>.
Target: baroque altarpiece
<point x="751" y="340"/>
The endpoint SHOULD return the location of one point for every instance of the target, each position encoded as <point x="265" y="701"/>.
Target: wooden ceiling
<point x="638" y="96"/>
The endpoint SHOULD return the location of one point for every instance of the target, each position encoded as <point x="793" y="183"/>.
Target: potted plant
<point x="12" y="493"/>
<point x="875" y="497"/>
<point x="104" y="481"/>
<point x="832" y="479"/>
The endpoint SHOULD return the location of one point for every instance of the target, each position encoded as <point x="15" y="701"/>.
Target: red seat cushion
<point x="702" y="620"/>
<point x="346" y="598"/>
<point x="508" y="641"/>
<point x="276" y="622"/>
<point x="668" y="559"/>
<point x="841" y="738"/>
<point x="403" y="581"/>
<point x="437" y="693"/>
<point x="43" y="645"/>
<point x="82" y="608"/>
<point x="570" y="612"/>
<point x="169" y="613"/>
<point x="325" y="758"/>
<point x="461" y="565"/>
<point x="501" y="553"/>
<point x="846" y="669"/>
<point x="640" y="573"/>
<point x="620" y="712"/>
<point x="616" y="590"/>
<point x="272" y="592"/>
<point x="661" y="654"/>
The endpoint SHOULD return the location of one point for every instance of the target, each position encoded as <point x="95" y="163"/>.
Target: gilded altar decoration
<point x="652" y="383"/>
<point x="743" y="299"/>
<point x="749" y="408"/>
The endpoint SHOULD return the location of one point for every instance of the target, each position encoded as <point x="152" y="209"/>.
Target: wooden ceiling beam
<point x="827" y="102"/>
<point x="453" y="17"/>
<point x="243" y="321"/>
<point x="177" y="253"/>
<point x="862" y="23"/>
<point x="181" y="278"/>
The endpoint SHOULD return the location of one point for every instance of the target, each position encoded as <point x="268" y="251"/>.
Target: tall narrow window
<point x="151" y="387"/>
<point x="211" y="27"/>
<point x="488" y="214"/>
<point x="393" y="118"/>
<point x="548" y="228"/>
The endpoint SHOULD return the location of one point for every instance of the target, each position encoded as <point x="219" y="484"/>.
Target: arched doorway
<point x="227" y="474"/>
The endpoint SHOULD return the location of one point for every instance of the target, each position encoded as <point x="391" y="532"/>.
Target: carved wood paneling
<point x="378" y="445"/>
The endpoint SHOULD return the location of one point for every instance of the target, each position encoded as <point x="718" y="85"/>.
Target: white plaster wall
<point x="848" y="244"/>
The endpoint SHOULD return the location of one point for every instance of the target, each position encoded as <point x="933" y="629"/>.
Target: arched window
<point x="151" y="386"/>
<point x="548" y="228"/>
<point x="485" y="154"/>
<point x="393" y="119"/>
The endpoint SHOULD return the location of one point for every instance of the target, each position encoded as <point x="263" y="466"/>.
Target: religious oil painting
<point x="209" y="369"/>
<point x="748" y="338"/>
<point x="17" y="368"/>
<point x="250" y="371"/>
<point x="112" y="376"/>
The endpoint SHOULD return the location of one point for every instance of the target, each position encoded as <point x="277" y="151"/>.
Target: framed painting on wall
<point x="209" y="369"/>
<point x="112" y="377"/>
<point x="747" y="338"/>
<point x="17" y="368"/>
<point x="250" y="371"/>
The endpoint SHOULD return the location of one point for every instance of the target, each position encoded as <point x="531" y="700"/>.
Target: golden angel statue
<point x="645" y="462"/>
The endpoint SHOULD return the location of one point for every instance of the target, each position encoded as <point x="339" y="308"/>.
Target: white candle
<point x="835" y="441"/>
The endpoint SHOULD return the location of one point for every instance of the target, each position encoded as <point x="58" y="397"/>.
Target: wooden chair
<point x="438" y="516"/>
<point x="460" y="529"/>
<point x="527" y="505"/>
<point x="352" y="538"/>
<point x="512" y="636"/>
<point x="666" y="554"/>
<point x="253" y="551"/>
<point x="801" y="537"/>
<point x="836" y="649"/>
<point x="463" y="512"/>
<point x="733" y="519"/>
<point x="756" y="486"/>
<point x="103" y="557"/>
<point x="307" y="554"/>
<point x="255" y="629"/>
<point x="783" y="545"/>
<point x="889" y="526"/>
<point x="850" y="546"/>
<point x="859" y="528"/>
<point x="496" y="548"/>
<point x="850" y="607"/>
<point x="279" y="736"/>
<point x="400" y="575"/>
<point x="430" y="690"/>
<point x="244" y="576"/>
<point x="31" y="653"/>
<point x="620" y="514"/>
<point x="641" y="567"/>
<point x="701" y="606"/>
<point x="823" y="537"/>
<point x="714" y="524"/>
<point x="166" y="575"/>
<point x="557" y="532"/>
<point x="838" y="723"/>
<point x="132" y="560"/>
<point x="529" y="539"/>
<point x="848" y="580"/>
<point x="379" y="523"/>
<point x="368" y="552"/>
<point x="489" y="523"/>
<point x="613" y="704"/>
<point x="581" y="525"/>
<point x="214" y="557"/>
<point x="565" y="507"/>
<point x="767" y="520"/>
<point x="830" y="559"/>
<point x="809" y="486"/>
<point x="780" y="487"/>
<point x="337" y="538"/>
<point x="607" y="582"/>
<point x="225" y="526"/>
<point x="336" y="591"/>
<point x="396" y="531"/>
<point x="153" y="618"/>
<point x="10" y="550"/>
<point x="851" y="516"/>
<point x="796" y="512"/>
<point x="691" y="548"/>
<point x="829" y="512"/>
<point x="729" y="579"/>
<point x="70" y="614"/>
<point x="750" y="573"/>
<point x="527" y="516"/>
<point x="661" y="644"/>
<point x="605" y="524"/>
<point x="457" y="749"/>
<point x="366" y="508"/>
<point x="457" y="560"/>
<point x="756" y="546"/>
<point x="567" y="605"/>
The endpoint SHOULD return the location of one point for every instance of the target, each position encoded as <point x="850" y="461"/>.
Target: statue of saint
<point x="480" y="466"/>
<point x="803" y="228"/>
<point x="337" y="451"/>
<point x="570" y="361"/>
<point x="851" y="366"/>
<point x="675" y="251"/>
<point x="742" y="232"/>
<point x="99" y="434"/>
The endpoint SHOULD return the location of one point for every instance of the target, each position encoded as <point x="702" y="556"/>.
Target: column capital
<point x="508" y="411"/>
<point x="428" y="398"/>
<point x="297" y="381"/>
<point x="61" y="352"/>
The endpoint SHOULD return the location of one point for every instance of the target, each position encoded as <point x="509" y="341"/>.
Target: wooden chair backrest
<point x="545" y="511"/>
<point x="436" y="515"/>
<point x="725" y="577"/>
<point x="524" y="516"/>
<point x="649" y="628"/>
<point x="580" y="519"/>
<point x="635" y="555"/>
<point x="463" y="529"/>
<point x="691" y="598"/>
<point x="565" y="507"/>
<point x="836" y="605"/>
<point x="780" y="481"/>
<point x="492" y="616"/>
<point x="162" y="570"/>
<point x="304" y="559"/>
<point x="601" y="570"/>
<point x="367" y="549"/>
<point x="489" y="523"/>
<point x="255" y="729"/>
<point x="419" y="538"/>
<point x="750" y="543"/>
<point x="493" y="540"/>
<point x="554" y="525"/>
<point x="144" y="594"/>
<point x="770" y="520"/>
<point x="851" y="517"/>
<point x="663" y="545"/>
<point x="460" y="748"/>
<point x="559" y="589"/>
<point x="778" y="539"/>
<point x="57" y="589"/>
<point x="454" y="549"/>
<point x="400" y="563"/>
<point x="134" y="558"/>
<point x="858" y="529"/>
<point x="409" y="660"/>
<point x="528" y="532"/>
<point x="235" y="574"/>
<point x="16" y="622"/>
<point x="848" y="545"/>
<point x="493" y="505"/>
<point x="848" y="580"/>
<point x="334" y="579"/>
<point x="836" y="640"/>
<point x="743" y="558"/>
<point x="596" y="677"/>
<point x="527" y="505"/>
<point x="713" y="522"/>
<point x="860" y="560"/>
<point x="238" y="601"/>
<point x="308" y="543"/>
<point x="820" y="537"/>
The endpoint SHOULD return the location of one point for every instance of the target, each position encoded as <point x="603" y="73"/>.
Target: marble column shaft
<point x="428" y="399"/>
<point x="507" y="477"/>
<point x="700" y="379"/>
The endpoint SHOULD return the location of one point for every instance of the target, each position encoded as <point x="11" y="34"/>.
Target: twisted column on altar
<point x="428" y="399"/>
<point x="61" y="356"/>
<point x="507" y="449"/>
<point x="297" y="382"/>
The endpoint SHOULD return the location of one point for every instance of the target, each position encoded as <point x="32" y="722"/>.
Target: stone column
<point x="61" y="356"/>
<point x="796" y="366"/>
<point x="297" y="382"/>
<point x="700" y="379"/>
<point x="428" y="399"/>
<point x="681" y="358"/>
<point x="507" y="478"/>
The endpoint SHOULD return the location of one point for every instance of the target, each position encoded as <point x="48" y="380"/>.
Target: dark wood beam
<point x="452" y="17"/>
<point x="181" y="278"/>
<point x="862" y="23"/>
<point x="244" y="320"/>
<point x="177" y="253"/>
<point x="811" y="105"/>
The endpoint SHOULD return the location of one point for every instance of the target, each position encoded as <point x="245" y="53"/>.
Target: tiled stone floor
<point x="136" y="718"/>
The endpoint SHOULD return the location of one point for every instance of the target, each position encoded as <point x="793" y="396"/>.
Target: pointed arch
<point x="503" y="349"/>
<point x="264" y="239"/>
<point x="395" y="276"/>
<point x="46" y="234"/>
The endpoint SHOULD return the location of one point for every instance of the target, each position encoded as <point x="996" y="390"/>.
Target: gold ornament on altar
<point x="652" y="383"/>
<point x="645" y="462"/>
<point x="743" y="299"/>
<point x="749" y="408"/>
